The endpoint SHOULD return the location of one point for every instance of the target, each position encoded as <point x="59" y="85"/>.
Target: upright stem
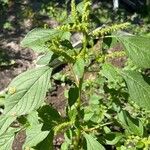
<point x="82" y="54"/>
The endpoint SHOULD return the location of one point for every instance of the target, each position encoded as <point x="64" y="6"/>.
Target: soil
<point x="16" y="60"/>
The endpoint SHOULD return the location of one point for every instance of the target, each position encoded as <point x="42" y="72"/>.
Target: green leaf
<point x="33" y="118"/>
<point x="47" y="143"/>
<point x="139" y="89"/>
<point x="5" y="122"/>
<point x="2" y="98"/>
<point x="29" y="91"/>
<point x="37" y="38"/>
<point x="78" y="67"/>
<point x="94" y="113"/>
<point x="66" y="44"/>
<point x="73" y="95"/>
<point x="113" y="138"/>
<point x="66" y="51"/>
<point x="80" y="7"/>
<point x="109" y="42"/>
<point x="138" y="49"/>
<point x="6" y="139"/>
<point x="133" y="126"/>
<point x="49" y="116"/>
<point x="66" y="55"/>
<point x="111" y="73"/>
<point x="34" y="135"/>
<point x="44" y="60"/>
<point x="68" y="135"/>
<point x="65" y="146"/>
<point x="92" y="143"/>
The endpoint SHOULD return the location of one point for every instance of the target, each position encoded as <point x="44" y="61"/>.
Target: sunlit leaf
<point x="6" y="139"/>
<point x="5" y="122"/>
<point x="73" y="95"/>
<point x="113" y="138"/>
<point x="139" y="89"/>
<point x="138" y="49"/>
<point x="37" y="38"/>
<point x="30" y="91"/>
<point x="79" y="67"/>
<point x="34" y="135"/>
<point x="92" y="143"/>
<point x="44" y="60"/>
<point x="132" y="125"/>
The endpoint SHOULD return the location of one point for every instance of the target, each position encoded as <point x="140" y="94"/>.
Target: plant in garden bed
<point x="107" y="106"/>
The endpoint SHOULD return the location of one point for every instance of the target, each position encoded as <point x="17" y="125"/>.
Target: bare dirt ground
<point x="15" y="60"/>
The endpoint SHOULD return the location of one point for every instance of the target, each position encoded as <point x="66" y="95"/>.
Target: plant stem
<point x="78" y="136"/>
<point x="96" y="127"/>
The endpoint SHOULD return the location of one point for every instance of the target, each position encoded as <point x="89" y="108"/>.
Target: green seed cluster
<point x="74" y="13"/>
<point x="106" y="30"/>
<point x="116" y="54"/>
<point x="62" y="126"/>
<point x="86" y="10"/>
<point x="80" y="27"/>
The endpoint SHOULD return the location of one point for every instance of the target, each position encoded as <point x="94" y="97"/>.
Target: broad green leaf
<point x="27" y="91"/>
<point x="94" y="99"/>
<point x="109" y="42"/>
<point x="2" y="98"/>
<point x="92" y="143"/>
<point x="65" y="146"/>
<point x="44" y="60"/>
<point x="133" y="126"/>
<point x="6" y="139"/>
<point x="111" y="73"/>
<point x="47" y="143"/>
<point x="73" y="95"/>
<point x="72" y="113"/>
<point x="139" y="89"/>
<point x="113" y="138"/>
<point x="88" y="115"/>
<point x="66" y="55"/>
<point x="33" y="118"/>
<point x="68" y="135"/>
<point x="138" y="49"/>
<point x="94" y="113"/>
<point x="37" y="38"/>
<point x="80" y="7"/>
<point x="49" y="116"/>
<point x="66" y="51"/>
<point x="5" y="122"/>
<point x="34" y="135"/>
<point x="78" y="67"/>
